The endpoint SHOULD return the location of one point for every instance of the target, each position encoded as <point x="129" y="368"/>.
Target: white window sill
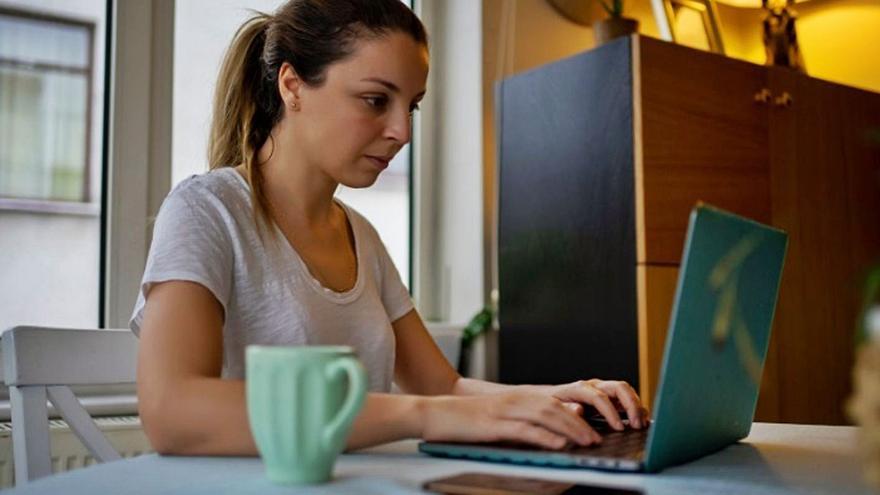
<point x="50" y="207"/>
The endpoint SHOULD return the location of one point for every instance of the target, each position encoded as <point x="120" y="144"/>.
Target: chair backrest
<point x="40" y="364"/>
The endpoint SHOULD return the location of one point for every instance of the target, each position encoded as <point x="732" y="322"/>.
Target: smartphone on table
<point x="494" y="484"/>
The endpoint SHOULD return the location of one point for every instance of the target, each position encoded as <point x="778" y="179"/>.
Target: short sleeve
<point x="395" y="296"/>
<point x="190" y="243"/>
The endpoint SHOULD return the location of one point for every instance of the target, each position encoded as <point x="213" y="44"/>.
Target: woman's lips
<point x="379" y="162"/>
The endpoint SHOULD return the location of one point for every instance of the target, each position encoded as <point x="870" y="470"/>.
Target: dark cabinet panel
<point x="566" y="216"/>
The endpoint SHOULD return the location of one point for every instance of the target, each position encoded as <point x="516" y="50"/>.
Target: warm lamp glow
<point x="749" y="4"/>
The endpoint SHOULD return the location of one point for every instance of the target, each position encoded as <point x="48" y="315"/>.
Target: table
<point x="774" y="459"/>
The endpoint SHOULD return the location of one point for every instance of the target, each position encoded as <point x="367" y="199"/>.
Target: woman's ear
<point x="289" y="85"/>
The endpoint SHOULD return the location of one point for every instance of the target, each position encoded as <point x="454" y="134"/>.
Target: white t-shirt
<point x="205" y="233"/>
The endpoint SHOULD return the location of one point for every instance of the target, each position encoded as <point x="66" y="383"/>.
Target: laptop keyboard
<point x="626" y="444"/>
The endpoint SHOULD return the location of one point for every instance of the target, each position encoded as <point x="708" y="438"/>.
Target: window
<point x="45" y="119"/>
<point x="51" y="135"/>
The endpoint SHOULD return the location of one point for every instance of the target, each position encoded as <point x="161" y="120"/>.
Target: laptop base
<point x="619" y="451"/>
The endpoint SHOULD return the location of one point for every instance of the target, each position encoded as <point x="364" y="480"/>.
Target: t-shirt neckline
<point x="330" y="294"/>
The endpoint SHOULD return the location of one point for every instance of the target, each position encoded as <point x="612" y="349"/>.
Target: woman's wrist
<point x="389" y="418"/>
<point x="421" y="407"/>
<point x="538" y="389"/>
<point x="433" y="415"/>
<point x="473" y="386"/>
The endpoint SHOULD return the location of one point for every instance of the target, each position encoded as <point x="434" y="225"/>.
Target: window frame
<point x="138" y="150"/>
<point x="85" y="205"/>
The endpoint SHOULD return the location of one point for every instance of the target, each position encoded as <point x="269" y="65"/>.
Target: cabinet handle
<point x="784" y="100"/>
<point x="763" y="97"/>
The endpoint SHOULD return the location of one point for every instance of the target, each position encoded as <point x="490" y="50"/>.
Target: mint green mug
<point x="301" y="407"/>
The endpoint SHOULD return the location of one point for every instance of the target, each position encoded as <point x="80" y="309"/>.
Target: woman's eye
<point x="414" y="108"/>
<point x="377" y="102"/>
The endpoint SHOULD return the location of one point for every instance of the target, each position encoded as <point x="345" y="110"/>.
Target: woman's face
<point x="353" y="124"/>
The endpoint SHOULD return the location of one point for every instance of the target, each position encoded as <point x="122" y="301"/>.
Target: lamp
<point x="748" y="4"/>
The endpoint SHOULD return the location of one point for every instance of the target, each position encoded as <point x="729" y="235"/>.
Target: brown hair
<point x="310" y="35"/>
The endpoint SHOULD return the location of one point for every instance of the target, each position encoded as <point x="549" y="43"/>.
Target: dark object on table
<point x="493" y="484"/>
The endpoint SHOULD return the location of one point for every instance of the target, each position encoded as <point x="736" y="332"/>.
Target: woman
<point x="257" y="251"/>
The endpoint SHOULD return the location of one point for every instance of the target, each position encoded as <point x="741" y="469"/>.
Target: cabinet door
<point x="826" y="194"/>
<point x="703" y="137"/>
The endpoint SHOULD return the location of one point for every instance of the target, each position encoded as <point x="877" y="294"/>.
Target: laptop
<point x="719" y="330"/>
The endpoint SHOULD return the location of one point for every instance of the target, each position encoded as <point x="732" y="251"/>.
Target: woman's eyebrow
<point x="388" y="84"/>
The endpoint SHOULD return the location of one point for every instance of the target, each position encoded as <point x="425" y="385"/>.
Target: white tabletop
<point x="774" y="459"/>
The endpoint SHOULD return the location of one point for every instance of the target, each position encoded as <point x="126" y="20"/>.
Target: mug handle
<point x="357" y="391"/>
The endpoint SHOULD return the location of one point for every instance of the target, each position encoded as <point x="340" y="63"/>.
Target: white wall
<point x="48" y="269"/>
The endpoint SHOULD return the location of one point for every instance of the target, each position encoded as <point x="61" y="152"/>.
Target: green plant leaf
<point x="872" y="297"/>
<point x="614" y="9"/>
<point x="479" y="324"/>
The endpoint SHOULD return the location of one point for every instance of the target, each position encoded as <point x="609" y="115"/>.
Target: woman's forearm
<point x="208" y="416"/>
<point x="386" y="418"/>
<point x="472" y="386"/>
<point x="198" y="416"/>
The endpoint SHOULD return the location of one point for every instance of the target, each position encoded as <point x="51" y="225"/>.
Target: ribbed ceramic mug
<point x="301" y="404"/>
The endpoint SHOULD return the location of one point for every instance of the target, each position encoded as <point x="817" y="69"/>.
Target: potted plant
<point x="479" y="325"/>
<point x="615" y="25"/>
<point x="864" y="405"/>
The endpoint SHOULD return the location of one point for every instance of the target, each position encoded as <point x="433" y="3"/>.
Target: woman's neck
<point x="299" y="194"/>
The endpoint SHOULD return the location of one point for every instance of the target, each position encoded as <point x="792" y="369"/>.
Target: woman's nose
<point x="399" y="127"/>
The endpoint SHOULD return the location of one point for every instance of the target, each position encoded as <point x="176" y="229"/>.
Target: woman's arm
<point x="184" y="405"/>
<point x="187" y="409"/>
<point x="421" y="368"/>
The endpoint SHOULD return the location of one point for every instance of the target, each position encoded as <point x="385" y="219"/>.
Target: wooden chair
<point x="42" y="363"/>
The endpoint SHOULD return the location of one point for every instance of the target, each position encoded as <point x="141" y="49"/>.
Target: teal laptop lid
<point x="719" y="331"/>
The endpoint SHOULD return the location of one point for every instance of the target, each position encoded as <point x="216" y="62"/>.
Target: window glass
<point x="45" y="78"/>
<point x="51" y="132"/>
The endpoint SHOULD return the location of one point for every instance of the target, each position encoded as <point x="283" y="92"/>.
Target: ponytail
<point x="240" y="124"/>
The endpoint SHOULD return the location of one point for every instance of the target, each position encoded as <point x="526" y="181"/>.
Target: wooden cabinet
<point x="825" y="174"/>
<point x="602" y="156"/>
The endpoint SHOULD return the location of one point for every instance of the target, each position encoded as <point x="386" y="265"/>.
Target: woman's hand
<point x="607" y="397"/>
<point x="519" y="416"/>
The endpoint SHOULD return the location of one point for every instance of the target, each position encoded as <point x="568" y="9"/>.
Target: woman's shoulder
<point x="220" y="190"/>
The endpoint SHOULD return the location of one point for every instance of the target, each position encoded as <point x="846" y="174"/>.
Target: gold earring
<point x="294" y="105"/>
